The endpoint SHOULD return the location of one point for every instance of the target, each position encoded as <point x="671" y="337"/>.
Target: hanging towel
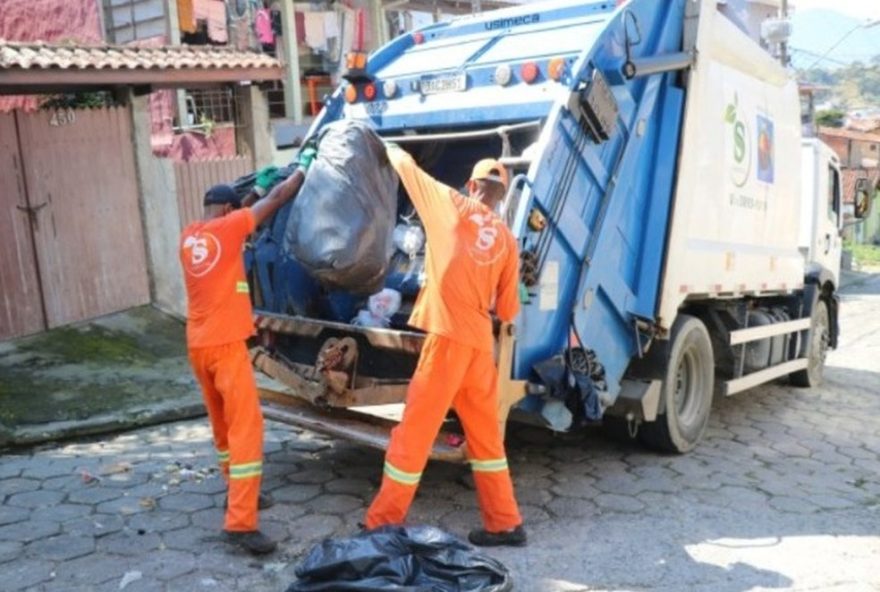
<point x="315" y="35"/>
<point x="217" y="22"/>
<point x="331" y="25"/>
<point x="300" y="19"/>
<point x="263" y="27"/>
<point x="186" y="18"/>
<point x="214" y="12"/>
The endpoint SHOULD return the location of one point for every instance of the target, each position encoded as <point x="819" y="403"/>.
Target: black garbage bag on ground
<point x="341" y="224"/>
<point x="400" y="558"/>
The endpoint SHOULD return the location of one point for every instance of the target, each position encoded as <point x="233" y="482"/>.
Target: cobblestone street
<point x="783" y="494"/>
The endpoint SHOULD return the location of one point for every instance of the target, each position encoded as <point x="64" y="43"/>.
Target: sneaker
<point x="264" y="502"/>
<point x="515" y="537"/>
<point x="252" y="541"/>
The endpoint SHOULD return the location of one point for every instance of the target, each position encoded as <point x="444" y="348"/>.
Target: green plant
<point x="88" y="100"/>
<point x="830" y="118"/>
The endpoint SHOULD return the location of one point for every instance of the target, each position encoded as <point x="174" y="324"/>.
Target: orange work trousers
<point x="449" y="374"/>
<point x="230" y="393"/>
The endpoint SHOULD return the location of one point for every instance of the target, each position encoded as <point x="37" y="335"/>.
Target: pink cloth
<point x="263" y="27"/>
<point x="213" y="11"/>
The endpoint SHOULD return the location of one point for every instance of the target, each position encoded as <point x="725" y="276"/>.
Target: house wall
<point x="47" y="20"/>
<point x="862" y="150"/>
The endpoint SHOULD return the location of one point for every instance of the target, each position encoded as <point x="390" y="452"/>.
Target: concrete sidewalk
<point x="124" y="370"/>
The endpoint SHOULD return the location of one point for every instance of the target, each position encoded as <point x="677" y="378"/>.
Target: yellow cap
<point x="490" y="170"/>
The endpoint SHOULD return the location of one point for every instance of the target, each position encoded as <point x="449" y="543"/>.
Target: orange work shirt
<point x="471" y="261"/>
<point x="219" y="304"/>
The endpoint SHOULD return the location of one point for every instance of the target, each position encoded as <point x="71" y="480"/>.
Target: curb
<point x="102" y="424"/>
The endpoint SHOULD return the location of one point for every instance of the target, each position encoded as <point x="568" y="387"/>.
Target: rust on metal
<point x="341" y="423"/>
<point x="308" y="384"/>
<point x="389" y="339"/>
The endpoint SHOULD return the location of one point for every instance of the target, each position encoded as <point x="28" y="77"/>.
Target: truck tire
<point x="820" y="338"/>
<point x="687" y="390"/>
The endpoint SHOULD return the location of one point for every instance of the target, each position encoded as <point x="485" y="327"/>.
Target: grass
<point x="865" y="254"/>
<point x="111" y="365"/>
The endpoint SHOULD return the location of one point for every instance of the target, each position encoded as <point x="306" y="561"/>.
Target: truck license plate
<point x="443" y="84"/>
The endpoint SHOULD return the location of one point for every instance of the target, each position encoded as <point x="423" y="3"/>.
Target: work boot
<point x="252" y="541"/>
<point x="264" y="502"/>
<point x="515" y="537"/>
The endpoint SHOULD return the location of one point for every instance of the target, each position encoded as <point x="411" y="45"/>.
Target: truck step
<point x="342" y="423"/>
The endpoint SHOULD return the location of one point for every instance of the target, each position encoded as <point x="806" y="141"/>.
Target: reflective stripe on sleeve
<point x="242" y="287"/>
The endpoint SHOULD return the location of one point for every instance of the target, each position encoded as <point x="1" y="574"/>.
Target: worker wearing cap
<point x="472" y="265"/>
<point x="219" y="321"/>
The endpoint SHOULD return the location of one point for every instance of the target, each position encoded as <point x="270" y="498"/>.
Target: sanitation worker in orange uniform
<point x="219" y="322"/>
<point x="472" y="265"/>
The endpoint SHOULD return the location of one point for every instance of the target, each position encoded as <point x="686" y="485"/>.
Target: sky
<point x="860" y="9"/>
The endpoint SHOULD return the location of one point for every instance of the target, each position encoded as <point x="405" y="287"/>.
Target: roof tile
<point x="42" y="55"/>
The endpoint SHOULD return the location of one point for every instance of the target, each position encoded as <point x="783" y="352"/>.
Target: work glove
<point x="266" y="178"/>
<point x="307" y="155"/>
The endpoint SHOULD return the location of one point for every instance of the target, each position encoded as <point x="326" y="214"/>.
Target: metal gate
<point x="22" y="310"/>
<point x="72" y="239"/>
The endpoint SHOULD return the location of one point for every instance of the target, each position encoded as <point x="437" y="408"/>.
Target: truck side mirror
<point x="863" y="198"/>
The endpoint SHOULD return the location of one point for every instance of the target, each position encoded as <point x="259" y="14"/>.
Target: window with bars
<point x="217" y="105"/>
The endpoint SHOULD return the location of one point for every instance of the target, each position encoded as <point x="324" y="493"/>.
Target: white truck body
<point x="735" y="225"/>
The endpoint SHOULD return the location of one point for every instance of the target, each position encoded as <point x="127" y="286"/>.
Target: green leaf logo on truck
<point x="742" y="154"/>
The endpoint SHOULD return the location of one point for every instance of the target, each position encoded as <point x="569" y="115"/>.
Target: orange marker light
<point x="370" y="91"/>
<point x="556" y="68"/>
<point x="418" y="38"/>
<point x="351" y="93"/>
<point x="529" y="72"/>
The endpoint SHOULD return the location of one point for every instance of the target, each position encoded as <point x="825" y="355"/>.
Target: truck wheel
<point x="820" y="338"/>
<point x="687" y="390"/>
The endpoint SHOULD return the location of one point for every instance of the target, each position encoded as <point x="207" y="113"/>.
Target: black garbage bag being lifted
<point x="401" y="558"/>
<point x="341" y="223"/>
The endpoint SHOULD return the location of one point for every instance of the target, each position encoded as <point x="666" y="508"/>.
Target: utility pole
<point x="783" y="47"/>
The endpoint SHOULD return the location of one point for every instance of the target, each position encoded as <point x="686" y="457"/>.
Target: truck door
<point x="826" y="240"/>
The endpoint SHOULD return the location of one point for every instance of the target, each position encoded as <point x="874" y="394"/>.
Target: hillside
<point x="856" y="86"/>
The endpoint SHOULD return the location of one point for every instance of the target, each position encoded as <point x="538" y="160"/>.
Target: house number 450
<point x="62" y="117"/>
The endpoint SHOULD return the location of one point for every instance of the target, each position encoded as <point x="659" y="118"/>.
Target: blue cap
<point x="221" y="195"/>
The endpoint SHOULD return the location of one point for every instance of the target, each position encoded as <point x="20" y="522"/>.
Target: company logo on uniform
<point x="483" y="249"/>
<point x="201" y="252"/>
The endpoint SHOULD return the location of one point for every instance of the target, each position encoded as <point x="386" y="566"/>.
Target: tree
<point x="830" y="118"/>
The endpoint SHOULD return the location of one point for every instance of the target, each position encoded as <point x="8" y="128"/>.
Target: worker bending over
<point x="219" y="322"/>
<point x="472" y="263"/>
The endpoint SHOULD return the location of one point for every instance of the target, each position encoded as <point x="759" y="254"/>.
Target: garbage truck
<point x="679" y="239"/>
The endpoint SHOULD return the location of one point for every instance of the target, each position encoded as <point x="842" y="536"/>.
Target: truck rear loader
<point x="679" y="239"/>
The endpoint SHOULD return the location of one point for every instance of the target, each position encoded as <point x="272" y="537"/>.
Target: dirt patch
<point x="114" y="371"/>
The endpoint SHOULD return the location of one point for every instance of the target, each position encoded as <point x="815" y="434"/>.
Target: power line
<point x="821" y="57"/>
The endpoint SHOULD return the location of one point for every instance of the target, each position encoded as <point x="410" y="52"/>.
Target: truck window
<point x="833" y="193"/>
